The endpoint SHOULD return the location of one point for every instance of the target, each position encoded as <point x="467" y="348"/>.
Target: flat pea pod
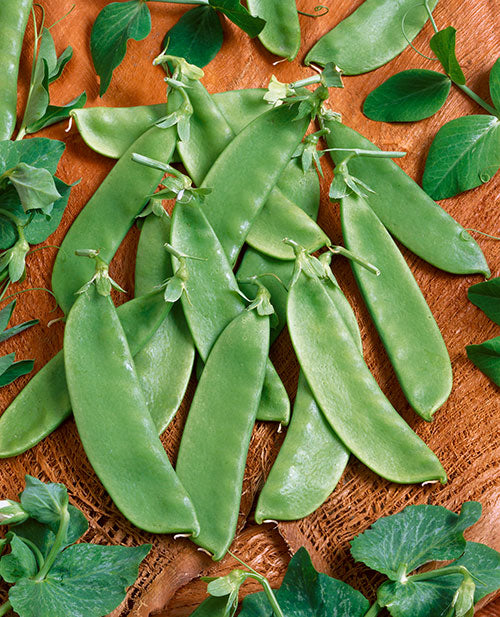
<point x="371" y="36"/>
<point x="216" y="437"/>
<point x="110" y="213"/>
<point x="213" y="299"/>
<point x="165" y="363"/>
<point x="399" y="311"/>
<point x="15" y="14"/>
<point x="246" y="171"/>
<point x="240" y="107"/>
<point x="346" y="391"/>
<point x="281" y="34"/>
<point x="117" y="432"/>
<point x="312" y="458"/>
<point x="406" y="210"/>
<point x="110" y="131"/>
<point x="44" y="403"/>
<point x="301" y="187"/>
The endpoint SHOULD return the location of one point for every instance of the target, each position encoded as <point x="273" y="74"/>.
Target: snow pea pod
<point x="281" y="34"/>
<point x="165" y="363"/>
<point x="240" y="107"/>
<point x="371" y="36"/>
<point x="216" y="437"/>
<point x="213" y="299"/>
<point x="346" y="391"/>
<point x="15" y="15"/>
<point x="117" y="432"/>
<point x="110" y="212"/>
<point x="44" y="403"/>
<point x="110" y="131"/>
<point x="401" y="315"/>
<point x="406" y="210"/>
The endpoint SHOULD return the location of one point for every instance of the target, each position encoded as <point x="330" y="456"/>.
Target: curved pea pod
<point x="117" y="432"/>
<point x="371" y="36"/>
<point x="213" y="299"/>
<point x="406" y="210"/>
<point x="165" y="363"/>
<point x="346" y="391"/>
<point x="401" y="315"/>
<point x="216" y="437"/>
<point x="109" y="214"/>
<point x="312" y="458"/>
<point x="110" y="131"/>
<point x="244" y="175"/>
<point x="308" y="467"/>
<point x="13" y="22"/>
<point x="44" y="403"/>
<point x="281" y="34"/>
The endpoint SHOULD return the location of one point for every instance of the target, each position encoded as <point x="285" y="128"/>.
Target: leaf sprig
<point x="10" y="370"/>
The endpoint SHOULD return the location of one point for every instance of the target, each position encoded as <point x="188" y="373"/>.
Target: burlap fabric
<point x="465" y="433"/>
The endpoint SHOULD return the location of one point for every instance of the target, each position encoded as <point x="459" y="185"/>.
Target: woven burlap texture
<point x="465" y="433"/>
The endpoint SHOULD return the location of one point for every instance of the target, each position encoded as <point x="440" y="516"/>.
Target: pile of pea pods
<point x="254" y="206"/>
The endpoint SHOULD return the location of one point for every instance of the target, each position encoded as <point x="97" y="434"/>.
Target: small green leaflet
<point x="486" y="296"/>
<point x="495" y="85"/>
<point x="239" y="15"/>
<point x="19" y="563"/>
<point x="86" y="580"/>
<point x="9" y="369"/>
<point x="54" y="113"/>
<point x="306" y="592"/>
<point x="486" y="357"/>
<point x="464" y="154"/>
<point x="435" y="596"/>
<point x="443" y="45"/>
<point x="5" y="315"/>
<point x="408" y="96"/>
<point x="398" y="544"/>
<point x="115" y="25"/>
<point x="44" y="502"/>
<point x="197" y="36"/>
<point x="35" y="187"/>
<point x="15" y="370"/>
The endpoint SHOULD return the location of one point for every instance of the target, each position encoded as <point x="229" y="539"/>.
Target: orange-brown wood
<point x="466" y="432"/>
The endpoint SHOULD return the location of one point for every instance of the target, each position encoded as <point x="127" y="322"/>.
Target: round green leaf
<point x="408" y="96"/>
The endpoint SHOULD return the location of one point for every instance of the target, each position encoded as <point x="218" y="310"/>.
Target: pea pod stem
<point x="56" y="547"/>
<point x="341" y="250"/>
<point x="154" y="164"/>
<point x="378" y="154"/>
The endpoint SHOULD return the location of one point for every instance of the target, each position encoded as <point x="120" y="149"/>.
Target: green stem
<point x="376" y="154"/>
<point x="341" y="250"/>
<point x="308" y="81"/>
<point x="5" y="608"/>
<point x="145" y="160"/>
<point x="446" y="571"/>
<point x="271" y="598"/>
<point x="374" y="610"/>
<point x="21" y="134"/>
<point x="56" y="547"/>
<point x="36" y="551"/>
<point x="478" y="99"/>
<point x="431" y="17"/>
<point x="11" y="217"/>
<point x="181" y="1"/>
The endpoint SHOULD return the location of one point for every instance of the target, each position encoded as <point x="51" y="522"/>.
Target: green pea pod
<point x="346" y="391"/>
<point x="247" y="171"/>
<point x="406" y="210"/>
<point x="281" y="34"/>
<point x="110" y="213"/>
<point x="110" y="131"/>
<point x="44" y="403"/>
<point x="213" y="299"/>
<point x="165" y="363"/>
<point x="301" y="187"/>
<point x="371" y="36"/>
<point x="401" y="315"/>
<point x="13" y="22"/>
<point x="240" y="107"/>
<point x="117" y="432"/>
<point x="216" y="437"/>
<point x="312" y="458"/>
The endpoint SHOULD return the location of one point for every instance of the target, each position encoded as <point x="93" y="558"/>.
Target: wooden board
<point x="466" y="432"/>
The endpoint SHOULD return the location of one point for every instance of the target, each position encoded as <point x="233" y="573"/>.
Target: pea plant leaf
<point x="5" y="315"/>
<point x="398" y="544"/>
<point x="15" y="370"/>
<point x="464" y="154"/>
<point x="443" y="45"/>
<point x="486" y="357"/>
<point x="38" y="152"/>
<point x="421" y="598"/>
<point x="35" y="186"/>
<point x="54" y="113"/>
<point x="305" y="592"/>
<point x="86" y="580"/>
<point x="486" y="296"/>
<point x="6" y="362"/>
<point x="197" y="36"/>
<point x="115" y="25"/>
<point x="19" y="563"/>
<point x="239" y="15"/>
<point x="495" y="84"/>
<point x="44" y="502"/>
<point x="408" y="96"/>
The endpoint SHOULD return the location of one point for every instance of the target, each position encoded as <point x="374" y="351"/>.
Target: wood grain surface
<point x="465" y="434"/>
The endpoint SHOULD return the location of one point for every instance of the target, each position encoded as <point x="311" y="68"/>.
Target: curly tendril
<point x="317" y="11"/>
